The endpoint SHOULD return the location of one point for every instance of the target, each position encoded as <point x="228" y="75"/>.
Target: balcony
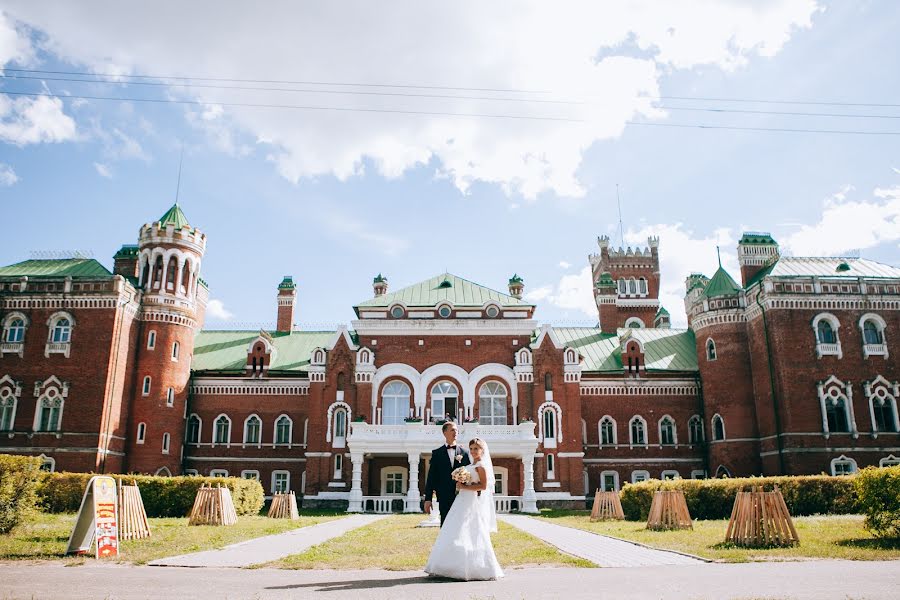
<point x="828" y="350"/>
<point x="57" y="348"/>
<point x="12" y="348"/>
<point x="875" y="350"/>
<point x="382" y="505"/>
<point x="410" y="437"/>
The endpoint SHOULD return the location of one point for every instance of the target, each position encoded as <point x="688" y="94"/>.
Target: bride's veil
<point x="487" y="496"/>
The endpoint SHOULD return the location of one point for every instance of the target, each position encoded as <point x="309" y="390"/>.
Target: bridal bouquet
<point x="461" y="475"/>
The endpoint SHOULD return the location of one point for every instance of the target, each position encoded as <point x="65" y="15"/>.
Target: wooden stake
<point x="607" y="506"/>
<point x="761" y="519"/>
<point x="133" y="523"/>
<point x="669" y="511"/>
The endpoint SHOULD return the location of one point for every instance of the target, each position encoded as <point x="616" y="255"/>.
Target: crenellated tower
<point x="626" y="284"/>
<point x="172" y="304"/>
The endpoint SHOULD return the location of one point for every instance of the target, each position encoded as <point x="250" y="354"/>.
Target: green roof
<point x="662" y="311"/>
<point x="664" y="349"/>
<point x="826" y="266"/>
<point x="721" y="284"/>
<point x="287" y="283"/>
<point x="127" y="251"/>
<point x="227" y="350"/>
<point x="516" y="279"/>
<point x="443" y="288"/>
<point x="64" y="267"/>
<point x="379" y="278"/>
<point x="174" y="216"/>
<point x="756" y="237"/>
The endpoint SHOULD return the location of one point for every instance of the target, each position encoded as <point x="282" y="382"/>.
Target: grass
<point x="834" y="536"/>
<point x="45" y="537"/>
<point x="396" y="544"/>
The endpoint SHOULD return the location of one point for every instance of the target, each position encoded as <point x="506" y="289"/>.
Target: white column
<point x="356" y="483"/>
<point x="165" y="274"/>
<point x="853" y="428"/>
<point x="412" y="494"/>
<point x="178" y="274"/>
<point x="529" y="498"/>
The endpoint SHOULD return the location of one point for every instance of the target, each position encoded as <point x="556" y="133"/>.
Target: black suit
<point x="439" y="480"/>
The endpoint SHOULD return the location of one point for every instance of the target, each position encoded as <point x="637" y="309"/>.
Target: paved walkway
<point x="269" y="548"/>
<point x="807" y="580"/>
<point x="601" y="550"/>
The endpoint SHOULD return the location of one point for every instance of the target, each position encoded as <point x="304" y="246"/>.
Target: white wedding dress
<point x="463" y="548"/>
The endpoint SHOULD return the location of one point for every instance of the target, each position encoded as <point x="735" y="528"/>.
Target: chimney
<point x="287" y="295"/>
<point x="756" y="251"/>
<point x="516" y="286"/>
<point x="380" y="285"/>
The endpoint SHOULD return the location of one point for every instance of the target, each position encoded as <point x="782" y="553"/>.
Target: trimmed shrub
<point x="878" y="489"/>
<point x="714" y="498"/>
<point x="163" y="496"/>
<point x="19" y="478"/>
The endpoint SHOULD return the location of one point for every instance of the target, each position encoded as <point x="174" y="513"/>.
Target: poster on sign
<point x="98" y="518"/>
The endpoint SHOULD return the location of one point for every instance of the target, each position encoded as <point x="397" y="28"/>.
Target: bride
<point x="463" y="548"/>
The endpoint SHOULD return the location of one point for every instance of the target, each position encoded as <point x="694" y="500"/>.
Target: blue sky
<point x="333" y="198"/>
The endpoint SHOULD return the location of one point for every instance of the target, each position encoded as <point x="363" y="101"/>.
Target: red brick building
<point x="791" y="371"/>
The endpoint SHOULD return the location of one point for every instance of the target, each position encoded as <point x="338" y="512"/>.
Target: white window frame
<point x="199" y="430"/>
<point x="253" y="472"/>
<point x="881" y="325"/>
<point x="643" y="286"/>
<point x="712" y="423"/>
<point x="550" y="461"/>
<point x="13" y="346"/>
<point x="632" y="320"/>
<point x="191" y="472"/>
<point x="48" y="460"/>
<point x="640" y="473"/>
<point x="441" y="397"/>
<point x="659" y="431"/>
<point x="832" y="390"/>
<point x="146" y="386"/>
<point x="39" y="409"/>
<point x="711" y="344"/>
<point x="275" y="475"/>
<point x="631" y="441"/>
<point x="698" y="474"/>
<point x="669" y="474"/>
<point x="163" y="472"/>
<point x="396" y="400"/>
<point x="215" y="428"/>
<point x="392" y="470"/>
<point x="584" y="436"/>
<point x="615" y="475"/>
<point x="825" y="349"/>
<point x="880" y="390"/>
<point x="141" y="433"/>
<point x="9" y="394"/>
<point x="166" y="442"/>
<point x="218" y="473"/>
<point x="889" y="461"/>
<point x="556" y="415"/>
<point x="483" y="393"/>
<point x="176" y="351"/>
<point x="151" y="340"/>
<point x="331" y="425"/>
<point x="59" y="347"/>
<point x="290" y="441"/>
<point x="503" y="472"/>
<point x="615" y="427"/>
<point x="245" y="438"/>
<point x="842" y="459"/>
<point x="338" y="466"/>
<point x="691" y="421"/>
<point x="170" y="397"/>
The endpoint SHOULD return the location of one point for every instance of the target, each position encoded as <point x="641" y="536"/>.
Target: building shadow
<point x="364" y="584"/>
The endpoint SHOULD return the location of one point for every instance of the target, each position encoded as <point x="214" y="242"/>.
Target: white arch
<point x="290" y="429"/>
<point x="244" y="433"/>
<point x="331" y="410"/>
<point x="214" y="422"/>
<point x="395" y="370"/>
<point x="437" y="371"/>
<point x="492" y="370"/>
<point x="557" y="409"/>
<point x="637" y="320"/>
<point x="713" y="427"/>
<point x="659" y="425"/>
<point x="615" y="426"/>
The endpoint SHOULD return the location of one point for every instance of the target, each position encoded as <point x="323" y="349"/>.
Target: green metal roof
<point x="227" y="350"/>
<point x="379" y="278"/>
<point x="721" y="284"/>
<point x="174" y="216"/>
<point x="824" y="266"/>
<point x="662" y="311"/>
<point x="64" y="267"/>
<point x="664" y="349"/>
<point x="516" y="279"/>
<point x="127" y="251"/>
<point x="287" y="283"/>
<point x="757" y="237"/>
<point x="442" y="288"/>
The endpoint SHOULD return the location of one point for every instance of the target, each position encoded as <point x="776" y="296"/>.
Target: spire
<point x="174" y="216"/>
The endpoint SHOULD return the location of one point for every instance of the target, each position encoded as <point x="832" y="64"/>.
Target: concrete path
<point x="269" y="548"/>
<point x="807" y="580"/>
<point x="601" y="550"/>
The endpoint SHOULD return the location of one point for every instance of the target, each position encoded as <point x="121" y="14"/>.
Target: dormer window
<point x="397" y="311"/>
<point x="492" y="311"/>
<point x="444" y="311"/>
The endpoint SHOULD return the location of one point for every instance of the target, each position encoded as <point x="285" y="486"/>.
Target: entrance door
<point x="444" y="401"/>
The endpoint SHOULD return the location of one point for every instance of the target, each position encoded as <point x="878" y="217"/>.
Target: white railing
<point x="382" y="505"/>
<point x="506" y="504"/>
<point x="426" y="432"/>
<point x="828" y="349"/>
<point x="11" y="347"/>
<point x="57" y="348"/>
<point x="875" y="349"/>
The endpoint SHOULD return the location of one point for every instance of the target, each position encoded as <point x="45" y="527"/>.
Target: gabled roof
<point x="826" y="266"/>
<point x="174" y="216"/>
<point x="64" y="267"/>
<point x="664" y="349"/>
<point x="227" y="350"/>
<point x="721" y="284"/>
<point x="441" y="288"/>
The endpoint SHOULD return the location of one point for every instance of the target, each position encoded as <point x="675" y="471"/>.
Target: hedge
<point x="163" y="496"/>
<point x="19" y="479"/>
<point x="879" y="498"/>
<point x="714" y="498"/>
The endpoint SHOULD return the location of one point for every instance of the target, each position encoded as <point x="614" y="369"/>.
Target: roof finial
<point x="178" y="185"/>
<point x="719" y="255"/>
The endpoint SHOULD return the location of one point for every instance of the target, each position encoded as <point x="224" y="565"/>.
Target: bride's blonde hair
<point x="478" y="442"/>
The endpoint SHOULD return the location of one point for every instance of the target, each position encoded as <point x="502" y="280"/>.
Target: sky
<point x="335" y="141"/>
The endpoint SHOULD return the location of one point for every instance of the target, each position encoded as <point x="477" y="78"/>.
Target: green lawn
<point x="396" y="544"/>
<point x="45" y="537"/>
<point x="837" y="536"/>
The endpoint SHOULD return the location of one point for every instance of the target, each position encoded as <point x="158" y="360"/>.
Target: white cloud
<point x="612" y="53"/>
<point x="103" y="170"/>
<point x="216" y="310"/>
<point x="849" y="224"/>
<point x="14" y="45"/>
<point x="347" y="228"/>
<point x="34" y="120"/>
<point x="571" y="292"/>
<point x="8" y="176"/>
<point x="564" y="265"/>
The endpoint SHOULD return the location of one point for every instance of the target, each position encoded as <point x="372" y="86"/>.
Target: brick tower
<point x="626" y="284"/>
<point x="172" y="305"/>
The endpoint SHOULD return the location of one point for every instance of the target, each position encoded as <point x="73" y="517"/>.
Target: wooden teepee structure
<point x="669" y="511"/>
<point x="284" y="506"/>
<point x="133" y="524"/>
<point x="607" y="506"/>
<point x="213" y="506"/>
<point x="761" y="519"/>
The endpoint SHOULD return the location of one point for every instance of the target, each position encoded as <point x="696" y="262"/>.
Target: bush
<point x="163" y="496"/>
<point x="714" y="498"/>
<point x="19" y="478"/>
<point x="879" y="498"/>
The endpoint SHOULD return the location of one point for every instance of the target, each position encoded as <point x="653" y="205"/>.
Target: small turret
<point x="516" y="286"/>
<point x="287" y="297"/>
<point x="756" y="251"/>
<point x="380" y="285"/>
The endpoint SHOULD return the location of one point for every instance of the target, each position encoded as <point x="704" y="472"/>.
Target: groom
<point x="444" y="461"/>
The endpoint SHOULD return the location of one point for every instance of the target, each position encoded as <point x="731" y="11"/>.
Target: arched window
<point x="151" y="340"/>
<point x="843" y="466"/>
<point x="175" y="350"/>
<point x="252" y="428"/>
<point x="492" y="403"/>
<point x="882" y="404"/>
<point x="141" y="432"/>
<point x="549" y="424"/>
<point x="283" y="430"/>
<point x="722" y="472"/>
<point x="584" y="440"/>
<point x="444" y="400"/>
<point x="193" y="430"/>
<point x="871" y="332"/>
<point x="222" y="430"/>
<point x="718" y="427"/>
<point x="607" y="431"/>
<point x="170" y="397"/>
<point x="394" y="403"/>
<point x="622" y="287"/>
<point x="7" y="409"/>
<point x="145" y="389"/>
<point x="634" y="323"/>
<point x="667" y="435"/>
<point x="50" y="408"/>
<point x="695" y="430"/>
<point x="165" y="443"/>
<point x="642" y="286"/>
<point x="61" y="331"/>
<point x="828" y="343"/>
<point x="340" y="423"/>
<point x="885" y="415"/>
<point x="825" y="333"/>
<point x="632" y="286"/>
<point x="710" y="349"/>
<point x="836" y="414"/>
<point x="340" y="382"/>
<point x="638" y="431"/>
<point x="15" y="331"/>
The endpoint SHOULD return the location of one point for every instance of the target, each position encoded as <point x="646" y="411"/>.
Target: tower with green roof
<point x="756" y="251"/>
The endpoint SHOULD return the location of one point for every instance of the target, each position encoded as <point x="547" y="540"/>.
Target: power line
<point x="774" y="129"/>
<point x="752" y="101"/>
<point x="295" y="107"/>
<point x="295" y="82"/>
<point x="776" y="112"/>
